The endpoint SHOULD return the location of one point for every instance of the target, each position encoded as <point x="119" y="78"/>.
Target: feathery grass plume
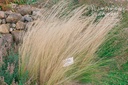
<point x="55" y="38"/>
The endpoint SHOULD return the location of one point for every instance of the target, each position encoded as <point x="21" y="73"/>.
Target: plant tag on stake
<point x="68" y="62"/>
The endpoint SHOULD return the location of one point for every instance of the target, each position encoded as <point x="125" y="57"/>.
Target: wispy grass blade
<point x="51" y="40"/>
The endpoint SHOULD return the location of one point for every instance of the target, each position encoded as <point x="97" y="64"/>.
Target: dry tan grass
<point x="51" y="40"/>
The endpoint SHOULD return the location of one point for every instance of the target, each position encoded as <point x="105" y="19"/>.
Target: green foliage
<point x="23" y="78"/>
<point x="118" y="76"/>
<point x="25" y="1"/>
<point x="11" y="59"/>
<point x="0" y="8"/>
<point x="114" y="46"/>
<point x="94" y="73"/>
<point x="31" y="1"/>
<point x="116" y="40"/>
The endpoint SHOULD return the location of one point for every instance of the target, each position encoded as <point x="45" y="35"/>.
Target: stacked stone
<point x="10" y="21"/>
<point x="13" y="25"/>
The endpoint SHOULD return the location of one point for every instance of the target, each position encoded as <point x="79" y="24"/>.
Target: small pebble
<point x="3" y="21"/>
<point x="13" y="25"/>
<point x="11" y="29"/>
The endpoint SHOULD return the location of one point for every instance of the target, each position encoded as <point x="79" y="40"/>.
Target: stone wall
<point x="13" y="25"/>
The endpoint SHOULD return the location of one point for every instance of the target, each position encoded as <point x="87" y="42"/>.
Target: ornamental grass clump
<point x="58" y="36"/>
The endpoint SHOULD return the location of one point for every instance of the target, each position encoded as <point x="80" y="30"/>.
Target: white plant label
<point x="68" y="62"/>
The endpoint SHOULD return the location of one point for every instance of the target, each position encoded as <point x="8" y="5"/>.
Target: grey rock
<point x="3" y="21"/>
<point x="23" y="10"/>
<point x="8" y="38"/>
<point x="17" y="36"/>
<point x="22" y="19"/>
<point x="13" y="25"/>
<point x="4" y="28"/>
<point x="8" y="12"/>
<point x="2" y="15"/>
<point x="20" y="25"/>
<point x="11" y="29"/>
<point x="27" y="18"/>
<point x="13" y="18"/>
